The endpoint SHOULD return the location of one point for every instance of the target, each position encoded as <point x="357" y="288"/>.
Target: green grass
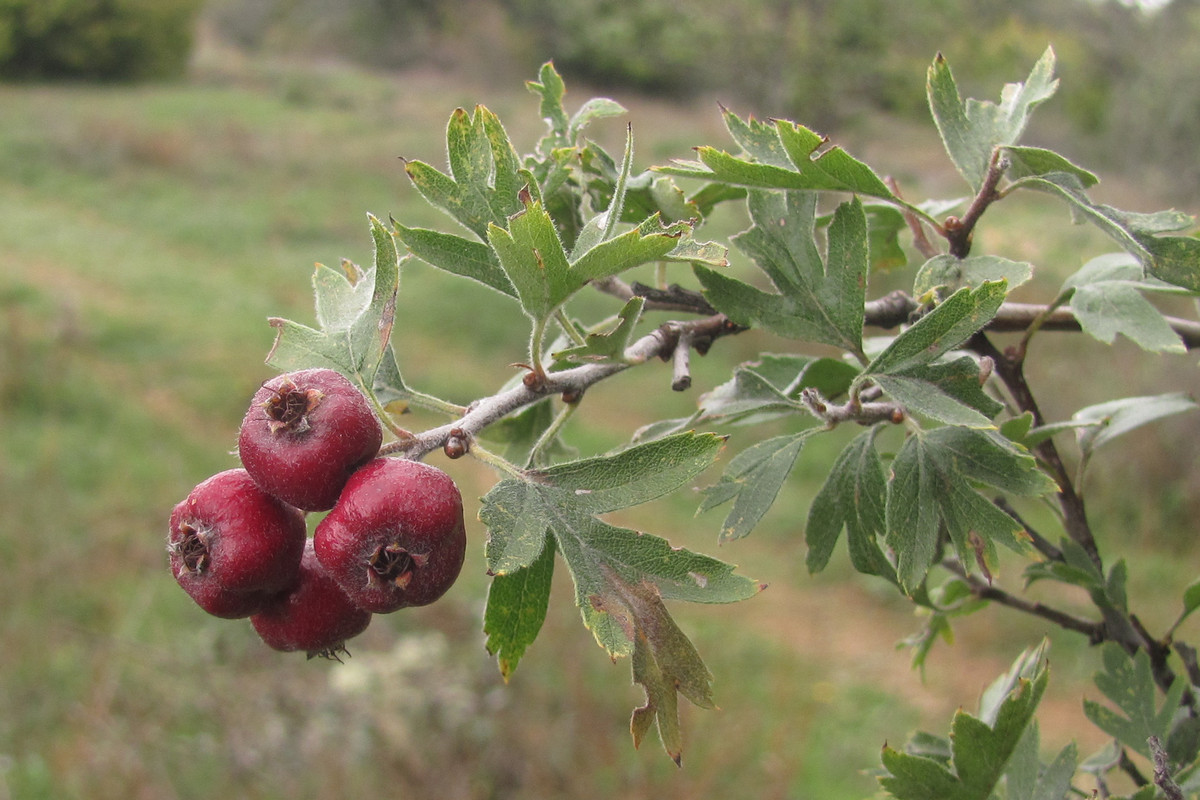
<point x="147" y="233"/>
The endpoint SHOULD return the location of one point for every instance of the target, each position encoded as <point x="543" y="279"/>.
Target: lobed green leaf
<point x="1118" y="417"/>
<point x="457" y="255"/>
<point x="816" y="301"/>
<point x="933" y="482"/>
<point x="485" y="175"/>
<point x="945" y="274"/>
<point x="516" y="608"/>
<point x="972" y="130"/>
<point x="943" y="329"/>
<point x="1128" y="682"/>
<point x="853" y="497"/>
<point x="355" y="311"/>
<point x="982" y="749"/>
<point x="753" y="480"/>
<point x="1108" y="299"/>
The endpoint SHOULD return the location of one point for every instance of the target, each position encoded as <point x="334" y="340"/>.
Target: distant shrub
<point x="95" y="39"/>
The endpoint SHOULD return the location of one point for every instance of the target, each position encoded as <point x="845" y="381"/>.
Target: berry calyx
<point x="232" y="546"/>
<point x="315" y="615"/>
<point x="304" y="434"/>
<point x="396" y="537"/>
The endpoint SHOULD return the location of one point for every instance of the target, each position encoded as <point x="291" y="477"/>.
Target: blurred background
<point x="171" y="169"/>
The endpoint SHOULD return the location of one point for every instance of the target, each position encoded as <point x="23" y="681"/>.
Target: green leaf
<point x="533" y="258"/>
<point x="564" y="132"/>
<point x="949" y="274"/>
<point x="1174" y="259"/>
<point x="853" y="497"/>
<point x="981" y="751"/>
<point x="633" y="476"/>
<point x="485" y="177"/>
<point x="647" y="243"/>
<point x="1053" y="779"/>
<point x="609" y="346"/>
<point x="355" y="311"/>
<point x="621" y="576"/>
<point x="971" y="130"/>
<point x="950" y="391"/>
<point x="1191" y="600"/>
<point x="1109" y="299"/>
<point x="516" y="608"/>
<point x="1117" y="417"/>
<point x="551" y="89"/>
<point x="926" y="399"/>
<point x="457" y="255"/>
<point x="943" y="329"/>
<point x="833" y="169"/>
<point x="769" y="386"/>
<point x="817" y="302"/>
<point x="512" y="512"/>
<point x="1128" y="682"/>
<point x="601" y="227"/>
<point x="753" y="480"/>
<point x="933" y="482"/>
<point x="665" y="663"/>
<point x="1027" y="162"/>
<point x="884" y="225"/>
<point x="783" y="155"/>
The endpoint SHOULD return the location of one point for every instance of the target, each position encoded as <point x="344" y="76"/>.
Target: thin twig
<point x="1012" y="373"/>
<point x="958" y="230"/>
<point x="1094" y="631"/>
<point x="1040" y="543"/>
<point x="674" y="298"/>
<point x="1162" y="771"/>
<point x="915" y="225"/>
<point x="1126" y="765"/>
<point x="897" y="308"/>
<point x="659" y="343"/>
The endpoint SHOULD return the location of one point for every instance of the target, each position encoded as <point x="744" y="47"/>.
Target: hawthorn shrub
<point x="953" y="456"/>
<point x="96" y="39"/>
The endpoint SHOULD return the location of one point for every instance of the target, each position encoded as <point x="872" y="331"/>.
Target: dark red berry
<point x="315" y="615"/>
<point x="396" y="537"/>
<point x="303" y="435"/>
<point x="232" y="545"/>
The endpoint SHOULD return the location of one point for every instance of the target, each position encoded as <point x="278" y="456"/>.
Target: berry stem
<point x="568" y="328"/>
<point x="550" y="434"/>
<point x="495" y="461"/>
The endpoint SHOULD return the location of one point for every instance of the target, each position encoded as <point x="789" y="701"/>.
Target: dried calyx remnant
<point x="394" y="564"/>
<point x="192" y="549"/>
<point x="289" y="406"/>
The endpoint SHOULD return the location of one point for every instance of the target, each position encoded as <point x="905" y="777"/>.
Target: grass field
<point x="145" y="235"/>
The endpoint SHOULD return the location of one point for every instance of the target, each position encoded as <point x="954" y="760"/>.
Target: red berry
<point x="303" y="435"/>
<point x="232" y="545"/>
<point x="396" y="537"/>
<point x="315" y="616"/>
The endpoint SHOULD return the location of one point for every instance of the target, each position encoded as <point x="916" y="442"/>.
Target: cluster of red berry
<point x="394" y="535"/>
